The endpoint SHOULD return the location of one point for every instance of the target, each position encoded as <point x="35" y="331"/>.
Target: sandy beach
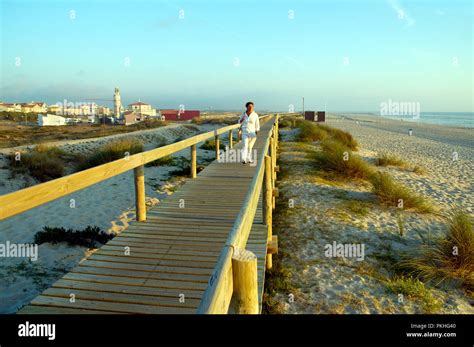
<point x="323" y="213"/>
<point x="108" y="205"/>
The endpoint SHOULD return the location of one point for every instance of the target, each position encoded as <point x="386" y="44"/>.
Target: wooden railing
<point x="23" y="200"/>
<point x="235" y="274"/>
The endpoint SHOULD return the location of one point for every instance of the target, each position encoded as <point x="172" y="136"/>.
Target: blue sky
<point x="340" y="55"/>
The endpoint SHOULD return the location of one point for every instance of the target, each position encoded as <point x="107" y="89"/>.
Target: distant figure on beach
<point x="250" y="127"/>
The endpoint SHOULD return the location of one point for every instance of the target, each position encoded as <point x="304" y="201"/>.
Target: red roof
<point x="139" y="103"/>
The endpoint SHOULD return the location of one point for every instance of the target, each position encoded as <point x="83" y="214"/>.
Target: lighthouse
<point x="117" y="104"/>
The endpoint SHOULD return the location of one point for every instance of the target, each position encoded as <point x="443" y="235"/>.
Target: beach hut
<point x="321" y="116"/>
<point x="310" y="115"/>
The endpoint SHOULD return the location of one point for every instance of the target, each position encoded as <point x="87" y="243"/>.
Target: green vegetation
<point x="310" y="132"/>
<point x="357" y="207"/>
<point x="419" y="170"/>
<point x="387" y="159"/>
<point x="210" y="145"/>
<point x="43" y="162"/>
<point x="112" y="151"/>
<point x="337" y="158"/>
<point x="341" y="136"/>
<point x="414" y="289"/>
<point x="165" y="161"/>
<point x="86" y="238"/>
<point x="447" y="259"/>
<point x="393" y="194"/>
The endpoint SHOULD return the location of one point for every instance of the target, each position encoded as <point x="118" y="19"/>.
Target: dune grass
<point x="338" y="159"/>
<point x="341" y="136"/>
<point x="386" y="159"/>
<point x="111" y="151"/>
<point x="446" y="259"/>
<point x="310" y="132"/>
<point x="393" y="194"/>
<point x="414" y="289"/>
<point x="43" y="162"/>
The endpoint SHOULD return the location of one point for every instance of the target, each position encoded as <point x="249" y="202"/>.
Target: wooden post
<point x="268" y="204"/>
<point x="245" y="279"/>
<point x="193" y="161"/>
<point x="239" y="135"/>
<point x="216" y="140"/>
<point x="231" y="140"/>
<point x="140" y="193"/>
<point x="272" y="156"/>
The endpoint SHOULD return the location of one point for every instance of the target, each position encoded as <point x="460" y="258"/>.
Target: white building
<point x="143" y="108"/>
<point x="51" y="119"/>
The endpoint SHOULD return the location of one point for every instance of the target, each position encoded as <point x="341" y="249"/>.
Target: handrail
<point x="216" y="298"/>
<point x="25" y="199"/>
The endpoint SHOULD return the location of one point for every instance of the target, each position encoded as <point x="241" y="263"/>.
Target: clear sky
<point x="342" y="55"/>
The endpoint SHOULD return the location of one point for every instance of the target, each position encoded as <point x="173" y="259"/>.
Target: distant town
<point x="70" y="113"/>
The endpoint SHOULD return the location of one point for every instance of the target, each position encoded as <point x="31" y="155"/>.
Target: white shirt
<point x="250" y="123"/>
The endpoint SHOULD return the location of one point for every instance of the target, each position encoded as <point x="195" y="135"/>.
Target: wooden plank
<point x="121" y="288"/>
<point x="30" y="309"/>
<point x="145" y="267"/>
<point x="122" y="298"/>
<point x="50" y="301"/>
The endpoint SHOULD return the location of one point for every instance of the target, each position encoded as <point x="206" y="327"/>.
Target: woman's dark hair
<point x="249" y="103"/>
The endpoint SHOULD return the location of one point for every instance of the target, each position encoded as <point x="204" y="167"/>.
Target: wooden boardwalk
<point x="163" y="265"/>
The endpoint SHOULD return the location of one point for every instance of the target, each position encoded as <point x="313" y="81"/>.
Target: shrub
<point x="450" y="258"/>
<point x="112" y="151"/>
<point x="43" y="162"/>
<point x="211" y="145"/>
<point x="86" y="238"/>
<point x="339" y="159"/>
<point x="391" y="193"/>
<point x="386" y="159"/>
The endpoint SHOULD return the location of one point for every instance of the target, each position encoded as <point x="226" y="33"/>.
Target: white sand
<point x="345" y="285"/>
<point x="108" y="205"/>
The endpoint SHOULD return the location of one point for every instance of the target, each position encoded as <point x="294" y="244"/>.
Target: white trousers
<point x="248" y="141"/>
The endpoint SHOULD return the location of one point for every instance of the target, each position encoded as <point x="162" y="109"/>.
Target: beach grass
<point x="341" y="136"/>
<point x="111" y="151"/>
<point x="386" y="159"/>
<point x="338" y="159"/>
<point x="310" y="132"/>
<point x="394" y="194"/>
<point x="412" y="288"/>
<point x="43" y="162"/>
<point x="446" y="259"/>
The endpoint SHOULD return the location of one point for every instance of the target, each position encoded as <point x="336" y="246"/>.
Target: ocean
<point x="457" y="119"/>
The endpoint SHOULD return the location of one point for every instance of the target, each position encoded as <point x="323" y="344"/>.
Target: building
<point x="117" y="104"/>
<point x="143" y="108"/>
<point x="50" y="120"/>
<point x="132" y="117"/>
<point x="10" y="107"/>
<point x="34" y="107"/>
<point x="321" y="117"/>
<point x="55" y="109"/>
<point x="178" y="115"/>
<point x="310" y="115"/>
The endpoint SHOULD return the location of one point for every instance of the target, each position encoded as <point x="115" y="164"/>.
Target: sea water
<point x="457" y="119"/>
